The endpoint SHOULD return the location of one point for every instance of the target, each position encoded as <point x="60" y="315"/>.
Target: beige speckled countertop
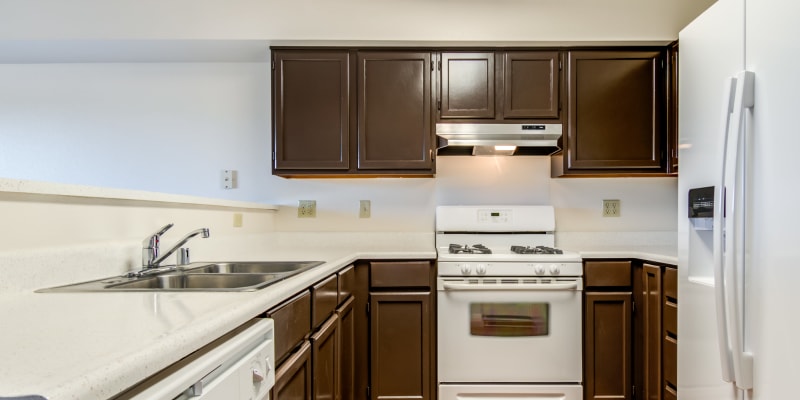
<point x="95" y="345"/>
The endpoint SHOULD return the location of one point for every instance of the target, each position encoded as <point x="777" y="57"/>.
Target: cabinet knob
<point x="258" y="376"/>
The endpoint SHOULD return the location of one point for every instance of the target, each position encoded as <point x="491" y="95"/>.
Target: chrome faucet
<point x="201" y="231"/>
<point x="151" y="257"/>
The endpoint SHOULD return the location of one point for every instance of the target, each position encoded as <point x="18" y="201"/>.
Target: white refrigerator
<point x="739" y="275"/>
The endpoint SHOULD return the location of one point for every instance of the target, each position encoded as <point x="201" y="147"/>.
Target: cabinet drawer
<point x="347" y="283"/>
<point x="671" y="318"/>
<point x="670" y="394"/>
<point x="324" y="299"/>
<point x="607" y="273"/>
<point x="399" y="274"/>
<point x="292" y="323"/>
<point x="670" y="359"/>
<point x="671" y="282"/>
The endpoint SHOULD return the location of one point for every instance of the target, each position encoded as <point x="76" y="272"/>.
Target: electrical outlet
<point x="307" y="209"/>
<point x="365" y="209"/>
<point x="237" y="220"/>
<point x="611" y="208"/>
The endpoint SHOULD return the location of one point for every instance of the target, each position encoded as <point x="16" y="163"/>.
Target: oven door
<point x="508" y="330"/>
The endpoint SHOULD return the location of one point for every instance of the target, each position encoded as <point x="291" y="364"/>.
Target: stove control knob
<point x="480" y="269"/>
<point x="555" y="269"/>
<point x="466" y="269"/>
<point x="539" y="269"/>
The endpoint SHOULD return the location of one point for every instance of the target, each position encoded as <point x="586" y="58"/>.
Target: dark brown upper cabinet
<point x="467" y="85"/>
<point x="311" y="97"/>
<point x="617" y="113"/>
<point x="531" y="84"/>
<point x="350" y="112"/>
<point x="394" y="111"/>
<point x="513" y="85"/>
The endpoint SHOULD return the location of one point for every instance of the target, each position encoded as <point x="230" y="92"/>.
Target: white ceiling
<point x="347" y="20"/>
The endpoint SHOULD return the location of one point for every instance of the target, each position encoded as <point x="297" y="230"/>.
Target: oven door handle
<point x="510" y="286"/>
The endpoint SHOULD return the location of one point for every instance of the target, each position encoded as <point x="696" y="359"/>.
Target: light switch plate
<point x="364" y="209"/>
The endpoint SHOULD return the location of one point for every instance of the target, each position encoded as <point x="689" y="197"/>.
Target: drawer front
<point x="671" y="282"/>
<point x="607" y="273"/>
<point x="347" y="283"/>
<point x="401" y="274"/>
<point x="671" y="318"/>
<point x="324" y="299"/>
<point x="670" y="361"/>
<point x="292" y="323"/>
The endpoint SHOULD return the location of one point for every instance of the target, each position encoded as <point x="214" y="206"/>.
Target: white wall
<point x="149" y="126"/>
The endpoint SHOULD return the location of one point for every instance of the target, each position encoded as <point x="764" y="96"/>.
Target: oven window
<point x="509" y="319"/>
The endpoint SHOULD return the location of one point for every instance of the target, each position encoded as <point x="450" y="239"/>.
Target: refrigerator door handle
<point x="734" y="232"/>
<point x="719" y="212"/>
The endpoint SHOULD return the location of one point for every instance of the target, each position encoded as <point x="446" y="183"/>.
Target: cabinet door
<point x="325" y="360"/>
<point x="531" y="84"/>
<point x="616" y="111"/>
<point x="347" y="349"/>
<point x="293" y="376"/>
<point x="650" y="310"/>
<point x="669" y="351"/>
<point x="311" y="113"/>
<point x="467" y="85"/>
<point x="394" y="111"/>
<point x="672" y="109"/>
<point x="607" y="345"/>
<point x="401" y="353"/>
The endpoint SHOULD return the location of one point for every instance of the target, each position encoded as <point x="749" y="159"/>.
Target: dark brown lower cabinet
<point x="293" y="377"/>
<point x="648" y="327"/>
<point x="607" y="341"/>
<point x="325" y="360"/>
<point x="669" y="351"/>
<point x="401" y="340"/>
<point x="347" y="330"/>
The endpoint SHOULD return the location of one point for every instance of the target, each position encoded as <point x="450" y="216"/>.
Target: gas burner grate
<point x="535" y="250"/>
<point x="465" y="249"/>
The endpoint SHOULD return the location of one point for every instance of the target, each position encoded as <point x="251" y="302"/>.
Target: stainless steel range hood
<point x="498" y="139"/>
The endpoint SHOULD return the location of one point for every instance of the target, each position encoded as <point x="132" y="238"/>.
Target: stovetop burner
<point x="535" y="250"/>
<point x="465" y="249"/>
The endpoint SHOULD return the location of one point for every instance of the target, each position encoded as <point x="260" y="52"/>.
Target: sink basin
<point x="198" y="277"/>
<point x="203" y="282"/>
<point x="260" y="267"/>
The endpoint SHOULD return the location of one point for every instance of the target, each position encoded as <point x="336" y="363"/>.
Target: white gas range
<point x="509" y="305"/>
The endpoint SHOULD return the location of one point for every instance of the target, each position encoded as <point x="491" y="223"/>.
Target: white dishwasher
<point x="238" y="366"/>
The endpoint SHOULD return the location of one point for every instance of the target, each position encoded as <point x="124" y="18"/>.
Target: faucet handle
<point x="150" y="245"/>
<point x="163" y="229"/>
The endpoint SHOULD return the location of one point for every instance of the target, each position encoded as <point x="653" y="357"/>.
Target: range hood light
<point x="505" y="148"/>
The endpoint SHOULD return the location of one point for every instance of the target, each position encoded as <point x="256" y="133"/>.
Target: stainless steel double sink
<point x="198" y="277"/>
